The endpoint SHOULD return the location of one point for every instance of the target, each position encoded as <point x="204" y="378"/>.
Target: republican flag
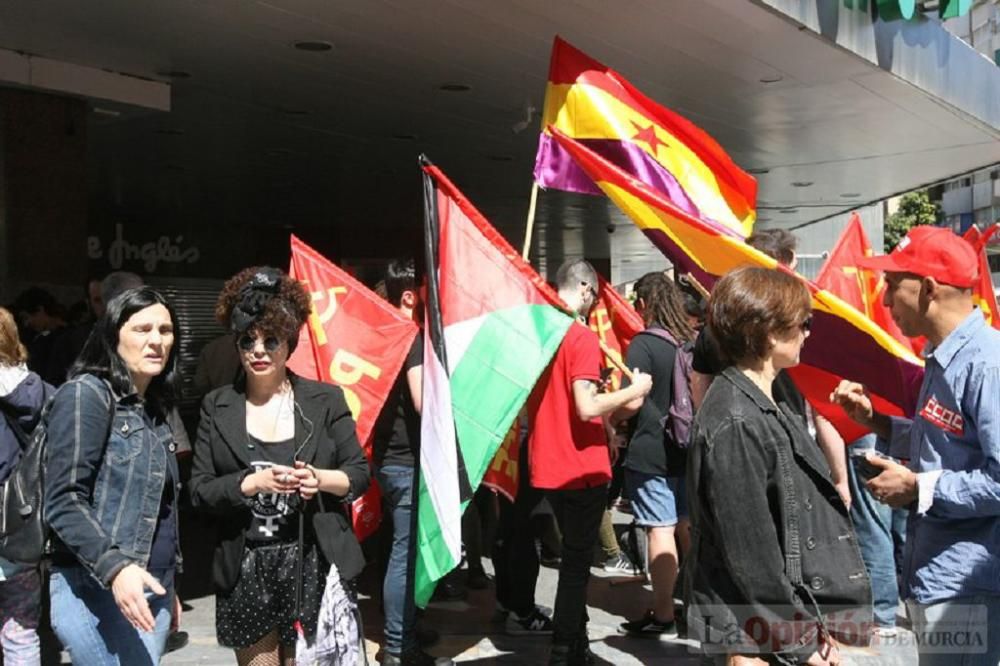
<point x="983" y="293"/>
<point x="844" y="343"/>
<point x="492" y="327"/>
<point x="598" y="107"/>
<point x="356" y="340"/>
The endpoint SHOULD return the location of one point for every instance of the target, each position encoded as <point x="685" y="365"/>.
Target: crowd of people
<point x="767" y="538"/>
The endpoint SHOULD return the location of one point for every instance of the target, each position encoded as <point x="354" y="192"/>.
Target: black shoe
<point x="649" y="626"/>
<point x="175" y="641"/>
<point x="578" y="654"/>
<point x="476" y="579"/>
<point x="415" y="657"/>
<point x="534" y="623"/>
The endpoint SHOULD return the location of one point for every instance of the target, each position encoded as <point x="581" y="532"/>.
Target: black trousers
<point x="515" y="560"/>
<point x="579" y="515"/>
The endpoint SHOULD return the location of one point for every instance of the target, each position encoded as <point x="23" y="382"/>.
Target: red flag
<point x="616" y="322"/>
<point x="503" y="474"/>
<point x="862" y="288"/>
<point x="355" y="340"/>
<point x="983" y="293"/>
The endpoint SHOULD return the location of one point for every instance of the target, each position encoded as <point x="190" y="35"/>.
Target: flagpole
<point x="615" y="361"/>
<point x="531" y="221"/>
<point x="697" y="286"/>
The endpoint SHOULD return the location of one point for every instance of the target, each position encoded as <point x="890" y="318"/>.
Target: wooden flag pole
<point x="531" y="222"/>
<point x="697" y="286"/>
<point x="615" y="361"/>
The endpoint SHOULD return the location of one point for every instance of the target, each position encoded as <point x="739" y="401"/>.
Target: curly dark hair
<point x="266" y="301"/>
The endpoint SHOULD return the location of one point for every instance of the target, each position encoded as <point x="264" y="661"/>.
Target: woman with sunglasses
<point x="269" y="448"/>
<point x="773" y="551"/>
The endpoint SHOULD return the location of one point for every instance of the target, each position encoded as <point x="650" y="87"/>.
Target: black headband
<point x="254" y="297"/>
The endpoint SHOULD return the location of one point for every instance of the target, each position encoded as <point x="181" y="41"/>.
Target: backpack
<point x="24" y="535"/>
<point x="680" y="413"/>
<point x="22" y="532"/>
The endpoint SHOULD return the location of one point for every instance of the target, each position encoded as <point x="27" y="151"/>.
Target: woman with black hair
<point x="111" y="486"/>
<point x="269" y="449"/>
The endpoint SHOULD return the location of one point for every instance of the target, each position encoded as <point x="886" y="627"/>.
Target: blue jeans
<point x="93" y="630"/>
<point x="961" y="632"/>
<point x="873" y="525"/>
<point x="396" y="482"/>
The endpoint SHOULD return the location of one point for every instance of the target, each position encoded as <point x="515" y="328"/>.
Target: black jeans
<point x="579" y="514"/>
<point x="515" y="559"/>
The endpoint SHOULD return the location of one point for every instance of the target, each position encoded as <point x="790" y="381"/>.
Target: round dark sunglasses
<point x="247" y="343"/>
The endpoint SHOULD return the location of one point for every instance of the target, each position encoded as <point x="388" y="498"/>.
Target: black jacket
<point x="325" y="431"/>
<point x="773" y="547"/>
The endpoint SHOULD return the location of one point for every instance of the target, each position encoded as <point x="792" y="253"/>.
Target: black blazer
<point x="324" y="429"/>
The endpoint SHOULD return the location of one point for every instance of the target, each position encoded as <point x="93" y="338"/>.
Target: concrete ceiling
<point x="263" y="134"/>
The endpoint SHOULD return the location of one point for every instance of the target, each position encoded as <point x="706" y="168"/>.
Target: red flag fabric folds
<point x="356" y="340"/>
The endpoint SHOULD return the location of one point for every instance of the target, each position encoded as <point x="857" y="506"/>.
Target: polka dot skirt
<point x="264" y="597"/>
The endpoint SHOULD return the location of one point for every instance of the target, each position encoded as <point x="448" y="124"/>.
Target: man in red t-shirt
<point x="569" y="453"/>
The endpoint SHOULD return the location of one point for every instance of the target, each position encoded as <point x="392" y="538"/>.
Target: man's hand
<point x="642" y="383"/>
<point x="129" y="589"/>
<point x="895" y="486"/>
<point x="852" y="397"/>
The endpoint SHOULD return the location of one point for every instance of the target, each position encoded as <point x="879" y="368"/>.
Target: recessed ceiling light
<point x="455" y="87"/>
<point x="758" y="171"/>
<point x="802" y="183"/>
<point x="771" y="78"/>
<point x="851" y="195"/>
<point x="313" y="46"/>
<point x="174" y="74"/>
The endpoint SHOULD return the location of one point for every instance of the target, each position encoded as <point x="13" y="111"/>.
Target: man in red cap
<point x="951" y="567"/>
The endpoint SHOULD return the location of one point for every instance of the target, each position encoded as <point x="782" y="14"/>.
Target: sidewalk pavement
<point x="470" y="634"/>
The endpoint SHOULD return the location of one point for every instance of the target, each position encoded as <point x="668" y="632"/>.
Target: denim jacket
<point x="104" y="476"/>
<point x="773" y="551"/>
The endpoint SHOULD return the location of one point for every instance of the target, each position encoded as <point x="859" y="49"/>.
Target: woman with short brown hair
<point x="773" y="549"/>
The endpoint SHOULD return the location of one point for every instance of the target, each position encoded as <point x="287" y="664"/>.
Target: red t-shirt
<point x="564" y="451"/>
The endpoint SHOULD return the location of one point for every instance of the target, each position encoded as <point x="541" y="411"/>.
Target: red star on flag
<point x="648" y="136"/>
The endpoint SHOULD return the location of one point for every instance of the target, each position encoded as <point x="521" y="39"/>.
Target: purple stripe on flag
<point x="830" y="336"/>
<point x="555" y="168"/>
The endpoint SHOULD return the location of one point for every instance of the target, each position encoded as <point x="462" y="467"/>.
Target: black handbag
<point x="337" y="541"/>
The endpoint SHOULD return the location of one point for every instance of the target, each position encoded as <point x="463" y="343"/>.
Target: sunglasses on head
<point x="806" y="324"/>
<point x="247" y="343"/>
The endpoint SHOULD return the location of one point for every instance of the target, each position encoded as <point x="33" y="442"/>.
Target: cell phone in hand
<point x="868" y="471"/>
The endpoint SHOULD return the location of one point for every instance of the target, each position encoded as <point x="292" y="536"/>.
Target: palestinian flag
<point x="492" y="327"/>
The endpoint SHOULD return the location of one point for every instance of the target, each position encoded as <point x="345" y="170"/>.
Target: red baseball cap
<point x="931" y="252"/>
